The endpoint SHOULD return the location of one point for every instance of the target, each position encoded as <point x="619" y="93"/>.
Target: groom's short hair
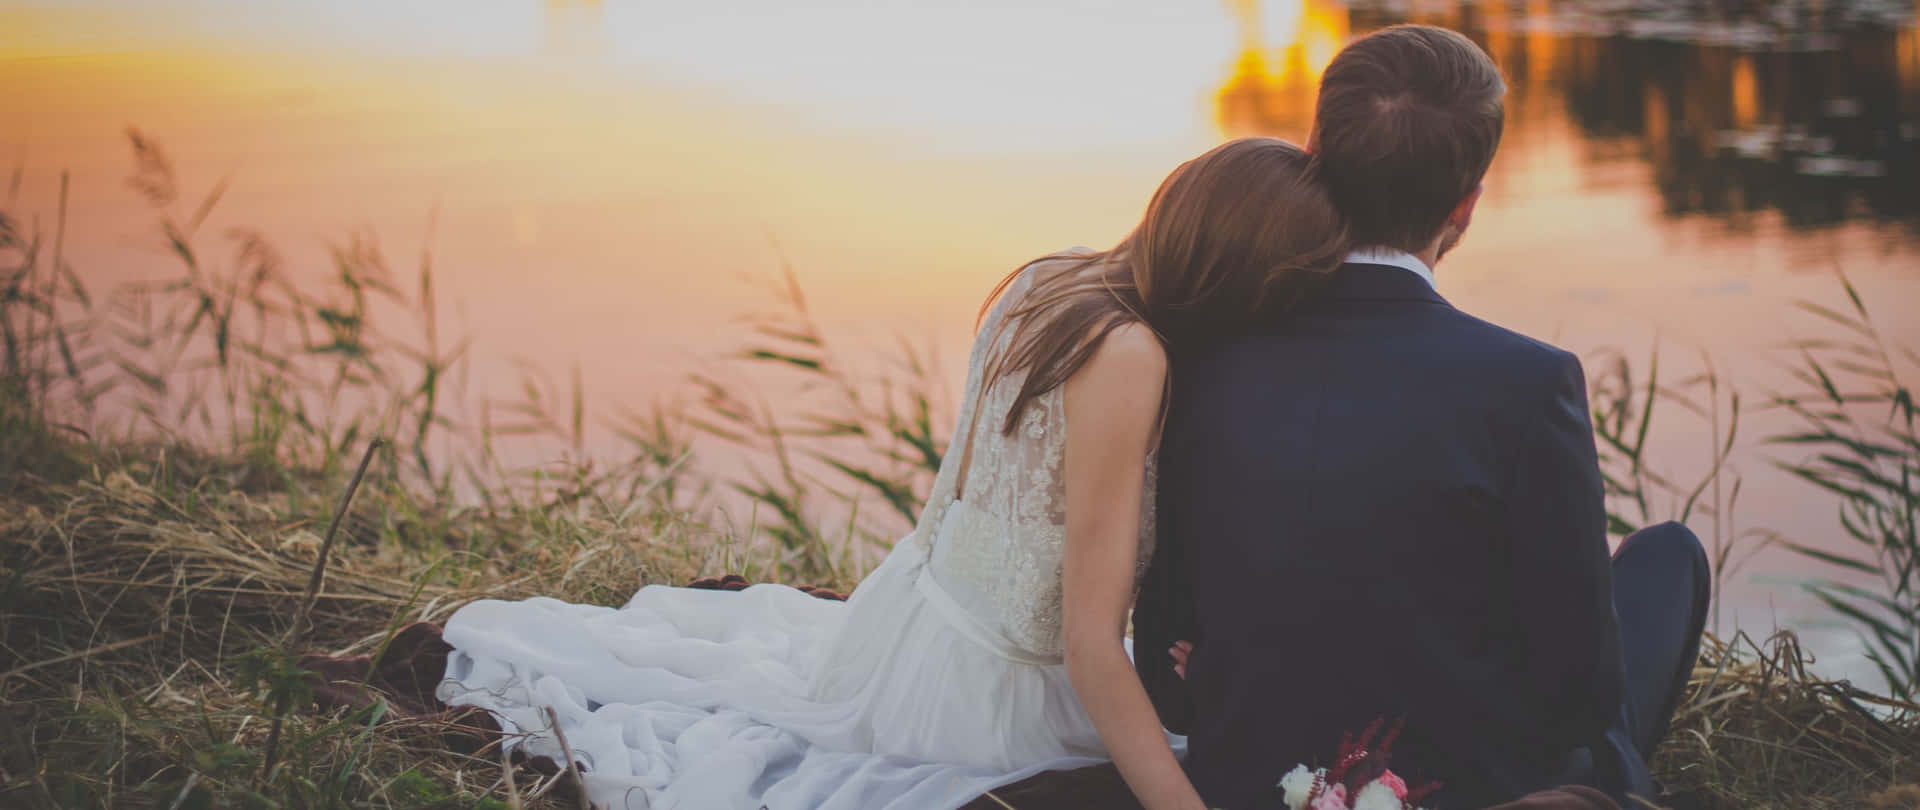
<point x="1406" y="124"/>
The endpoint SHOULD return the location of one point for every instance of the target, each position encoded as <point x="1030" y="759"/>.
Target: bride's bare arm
<point x="1113" y="403"/>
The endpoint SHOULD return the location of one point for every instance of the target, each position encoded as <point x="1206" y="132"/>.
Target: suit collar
<point x="1392" y="258"/>
<point x="1362" y="281"/>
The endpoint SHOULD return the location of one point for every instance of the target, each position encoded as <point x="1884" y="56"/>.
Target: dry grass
<point x="1759" y="731"/>
<point x="138" y="590"/>
<point x="141" y="597"/>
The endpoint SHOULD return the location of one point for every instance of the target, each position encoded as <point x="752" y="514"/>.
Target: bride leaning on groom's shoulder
<point x="1255" y="432"/>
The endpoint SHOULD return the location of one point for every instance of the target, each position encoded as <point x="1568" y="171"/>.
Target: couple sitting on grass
<point x="1324" y="500"/>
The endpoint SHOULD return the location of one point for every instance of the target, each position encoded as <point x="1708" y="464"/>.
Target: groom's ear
<point x="1462" y="215"/>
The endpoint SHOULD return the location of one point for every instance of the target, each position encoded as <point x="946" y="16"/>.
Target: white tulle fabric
<point x="940" y="678"/>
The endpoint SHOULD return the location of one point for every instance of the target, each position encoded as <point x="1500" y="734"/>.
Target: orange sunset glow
<point x="1284" y="47"/>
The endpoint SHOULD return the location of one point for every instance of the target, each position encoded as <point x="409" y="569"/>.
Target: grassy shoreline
<point x="153" y="605"/>
<point x="150" y="590"/>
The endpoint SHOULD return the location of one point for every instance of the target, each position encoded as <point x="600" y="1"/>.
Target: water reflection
<point x="1807" y="112"/>
<point x="1819" y="136"/>
<point x="1283" y="48"/>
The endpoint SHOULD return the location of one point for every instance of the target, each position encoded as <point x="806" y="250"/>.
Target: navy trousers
<point x="1661" y="588"/>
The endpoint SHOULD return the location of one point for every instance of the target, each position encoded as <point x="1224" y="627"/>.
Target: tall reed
<point x="1860" y="442"/>
<point x="1641" y="491"/>
<point x="847" y="439"/>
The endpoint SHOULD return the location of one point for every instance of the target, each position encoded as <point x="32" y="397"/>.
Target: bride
<point x="991" y="643"/>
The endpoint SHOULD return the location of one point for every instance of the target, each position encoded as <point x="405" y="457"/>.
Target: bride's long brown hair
<point x="1237" y="231"/>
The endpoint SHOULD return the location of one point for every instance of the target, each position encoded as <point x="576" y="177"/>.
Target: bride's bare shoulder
<point x="1132" y="349"/>
<point x="1118" y="391"/>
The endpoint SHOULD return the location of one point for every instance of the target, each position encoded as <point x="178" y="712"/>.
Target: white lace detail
<point x="998" y="547"/>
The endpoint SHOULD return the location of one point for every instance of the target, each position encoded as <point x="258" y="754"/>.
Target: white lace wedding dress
<point x="941" y="678"/>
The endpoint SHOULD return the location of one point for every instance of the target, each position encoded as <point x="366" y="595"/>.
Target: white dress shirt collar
<point x="1393" y="258"/>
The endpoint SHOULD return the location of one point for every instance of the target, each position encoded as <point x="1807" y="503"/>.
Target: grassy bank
<point x="175" y="456"/>
<point x="154" y="599"/>
<point x="151" y="593"/>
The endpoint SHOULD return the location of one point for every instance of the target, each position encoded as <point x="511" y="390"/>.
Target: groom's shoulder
<point x="1521" y="353"/>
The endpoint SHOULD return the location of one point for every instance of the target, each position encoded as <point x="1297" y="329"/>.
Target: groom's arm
<point x="1562" y="568"/>
<point x="1157" y="624"/>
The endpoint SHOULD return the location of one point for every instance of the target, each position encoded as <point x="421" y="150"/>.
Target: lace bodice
<point x="997" y="543"/>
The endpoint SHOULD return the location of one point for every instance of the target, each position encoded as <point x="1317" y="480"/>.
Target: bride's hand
<point x="1179" y="652"/>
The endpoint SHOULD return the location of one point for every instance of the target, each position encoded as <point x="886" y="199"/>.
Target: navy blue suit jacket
<point x="1377" y="506"/>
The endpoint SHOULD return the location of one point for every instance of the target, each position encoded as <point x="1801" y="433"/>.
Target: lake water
<point x="604" y="178"/>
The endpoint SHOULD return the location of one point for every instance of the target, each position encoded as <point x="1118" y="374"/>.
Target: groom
<point x="1409" y="500"/>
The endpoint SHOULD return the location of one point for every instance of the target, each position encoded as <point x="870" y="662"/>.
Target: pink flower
<point x="1393" y="780"/>
<point x="1334" y="798"/>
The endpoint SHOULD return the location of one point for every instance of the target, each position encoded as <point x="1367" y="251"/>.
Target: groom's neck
<point x="1431" y="258"/>
<point x="1443" y="243"/>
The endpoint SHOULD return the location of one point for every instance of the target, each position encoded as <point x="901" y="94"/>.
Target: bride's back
<point x="951" y="649"/>
<point x="996" y="521"/>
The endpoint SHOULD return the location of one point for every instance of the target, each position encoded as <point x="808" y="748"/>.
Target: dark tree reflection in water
<point x="1739" y="108"/>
